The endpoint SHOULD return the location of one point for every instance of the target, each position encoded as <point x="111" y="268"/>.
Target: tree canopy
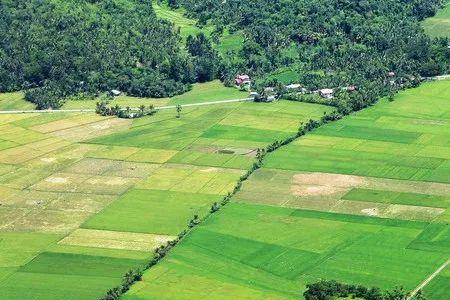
<point x="55" y="49"/>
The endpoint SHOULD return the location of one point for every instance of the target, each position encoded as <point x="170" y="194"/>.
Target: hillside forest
<point x="55" y="50"/>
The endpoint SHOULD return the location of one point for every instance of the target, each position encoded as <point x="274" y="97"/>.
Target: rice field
<point x="84" y="198"/>
<point x="364" y="200"/>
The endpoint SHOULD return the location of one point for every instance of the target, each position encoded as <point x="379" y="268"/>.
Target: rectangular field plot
<point x="164" y="131"/>
<point x="289" y="115"/>
<point x="252" y="250"/>
<point x="151" y="211"/>
<point x="381" y="196"/>
<point x="112" y="168"/>
<point x="405" y="139"/>
<point x="71" y="121"/>
<point x="84" y="183"/>
<point x="192" y="179"/>
<point x="115" y="240"/>
<point x="75" y="264"/>
<point x="49" y="212"/>
<point x="132" y="154"/>
<point x="56" y="275"/>
<point x="94" y="129"/>
<point x="349" y="194"/>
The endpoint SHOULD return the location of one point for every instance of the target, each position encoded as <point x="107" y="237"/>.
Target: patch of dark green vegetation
<point x="103" y="109"/>
<point x="333" y="290"/>
<point x="331" y="44"/>
<point x="56" y="49"/>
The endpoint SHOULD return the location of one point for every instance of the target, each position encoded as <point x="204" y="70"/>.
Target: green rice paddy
<point x="364" y="200"/>
<point x="81" y="196"/>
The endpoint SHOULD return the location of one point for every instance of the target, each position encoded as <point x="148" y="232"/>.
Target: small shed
<point x="116" y="93"/>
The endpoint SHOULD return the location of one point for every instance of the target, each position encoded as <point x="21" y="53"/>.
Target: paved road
<point x="426" y="281"/>
<point x="133" y="108"/>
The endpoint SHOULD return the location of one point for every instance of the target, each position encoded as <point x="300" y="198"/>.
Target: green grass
<point x="152" y="211"/>
<point x="380" y="196"/>
<point x="285" y="76"/>
<point x="208" y="92"/>
<point x="405" y="139"/>
<point x="200" y="93"/>
<point x="76" y="264"/>
<point x="55" y="275"/>
<point x="14" y="101"/>
<point x="439" y="25"/>
<point x="251" y="251"/>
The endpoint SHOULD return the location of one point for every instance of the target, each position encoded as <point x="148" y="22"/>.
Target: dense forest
<point x="329" y="43"/>
<point x="56" y="49"/>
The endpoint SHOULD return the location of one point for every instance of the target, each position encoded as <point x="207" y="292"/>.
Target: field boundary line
<point x="90" y="110"/>
<point x="428" y="279"/>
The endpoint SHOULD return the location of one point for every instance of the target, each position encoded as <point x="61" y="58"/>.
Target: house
<point x="326" y="93"/>
<point x="242" y="81"/>
<point x="115" y="93"/>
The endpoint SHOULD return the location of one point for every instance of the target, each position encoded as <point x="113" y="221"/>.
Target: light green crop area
<point x="364" y="200"/>
<point x="14" y="101"/>
<point x="439" y="25"/>
<point x="82" y="196"/>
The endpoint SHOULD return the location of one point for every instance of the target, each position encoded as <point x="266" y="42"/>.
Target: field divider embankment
<point x="90" y="110"/>
<point x="160" y="253"/>
<point x="428" y="279"/>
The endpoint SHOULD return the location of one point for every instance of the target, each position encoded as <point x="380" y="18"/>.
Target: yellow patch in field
<point x="74" y="121"/>
<point x="91" y="130"/>
<point x="336" y="180"/>
<point x="8" y="118"/>
<point x="18" y="155"/>
<point x="411" y="212"/>
<point x="115" y="239"/>
<point x="48" y="145"/>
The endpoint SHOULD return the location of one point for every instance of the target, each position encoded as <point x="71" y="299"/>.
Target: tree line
<point x="333" y="290"/>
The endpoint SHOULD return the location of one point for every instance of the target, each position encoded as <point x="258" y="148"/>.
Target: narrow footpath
<point x="132" y="108"/>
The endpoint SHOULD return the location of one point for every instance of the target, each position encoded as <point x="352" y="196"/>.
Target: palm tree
<point x="179" y="111"/>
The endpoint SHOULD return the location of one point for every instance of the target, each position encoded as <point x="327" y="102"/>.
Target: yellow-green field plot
<point x="364" y="200"/>
<point x="15" y="101"/>
<point x="84" y="198"/>
<point x="439" y="25"/>
<point x="115" y="239"/>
